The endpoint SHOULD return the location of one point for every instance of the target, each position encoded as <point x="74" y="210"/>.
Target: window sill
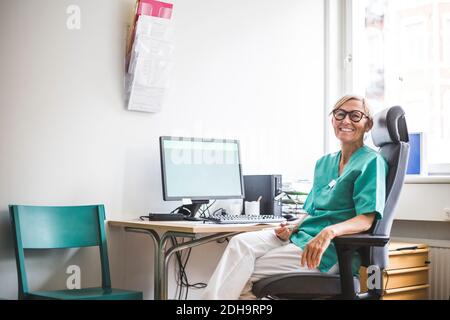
<point x="427" y="179"/>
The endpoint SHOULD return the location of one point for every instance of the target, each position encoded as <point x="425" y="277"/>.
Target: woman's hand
<point x="284" y="232"/>
<point x="312" y="254"/>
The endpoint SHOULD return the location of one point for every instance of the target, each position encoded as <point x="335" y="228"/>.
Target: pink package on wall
<point x="152" y="8"/>
<point x="155" y="9"/>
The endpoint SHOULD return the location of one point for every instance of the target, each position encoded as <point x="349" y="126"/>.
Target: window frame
<point x="353" y="11"/>
<point x="446" y="36"/>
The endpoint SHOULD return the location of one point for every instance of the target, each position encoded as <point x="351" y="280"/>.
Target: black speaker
<point x="267" y="187"/>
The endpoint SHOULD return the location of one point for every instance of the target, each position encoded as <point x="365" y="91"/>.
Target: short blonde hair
<point x="348" y="97"/>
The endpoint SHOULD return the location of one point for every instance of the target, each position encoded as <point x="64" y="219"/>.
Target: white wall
<point x="424" y="202"/>
<point x="251" y="70"/>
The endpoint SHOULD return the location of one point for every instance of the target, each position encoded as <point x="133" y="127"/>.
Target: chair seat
<point x="87" y="294"/>
<point x="300" y="286"/>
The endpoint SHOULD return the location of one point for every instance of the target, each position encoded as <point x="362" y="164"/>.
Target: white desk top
<point x="189" y="226"/>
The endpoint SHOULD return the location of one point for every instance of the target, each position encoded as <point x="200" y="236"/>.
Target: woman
<point x="348" y="194"/>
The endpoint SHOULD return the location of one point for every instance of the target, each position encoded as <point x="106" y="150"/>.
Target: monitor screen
<point x="200" y="169"/>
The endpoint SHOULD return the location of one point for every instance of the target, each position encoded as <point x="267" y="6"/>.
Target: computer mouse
<point x="289" y="217"/>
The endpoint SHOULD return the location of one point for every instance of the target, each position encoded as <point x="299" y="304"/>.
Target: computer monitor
<point x="416" y="159"/>
<point x="197" y="170"/>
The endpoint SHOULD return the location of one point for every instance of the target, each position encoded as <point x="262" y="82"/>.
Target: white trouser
<point x="248" y="258"/>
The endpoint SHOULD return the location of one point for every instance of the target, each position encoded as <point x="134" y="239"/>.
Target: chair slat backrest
<point x="57" y="227"/>
<point x="43" y="227"/>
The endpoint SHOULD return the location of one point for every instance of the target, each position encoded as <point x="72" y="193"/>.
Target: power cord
<point x="206" y="210"/>
<point x="182" y="279"/>
<point x="176" y="209"/>
<point x="179" y="290"/>
<point x="222" y="211"/>
<point x="223" y="240"/>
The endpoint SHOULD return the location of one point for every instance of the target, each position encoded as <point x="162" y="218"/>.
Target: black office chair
<point x="390" y="134"/>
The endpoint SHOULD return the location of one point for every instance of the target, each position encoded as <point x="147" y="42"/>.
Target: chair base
<point x="301" y="286"/>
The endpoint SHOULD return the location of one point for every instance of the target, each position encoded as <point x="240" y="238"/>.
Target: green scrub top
<point x="360" y="189"/>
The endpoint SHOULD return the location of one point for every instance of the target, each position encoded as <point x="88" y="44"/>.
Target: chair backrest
<point x="39" y="227"/>
<point x="390" y="134"/>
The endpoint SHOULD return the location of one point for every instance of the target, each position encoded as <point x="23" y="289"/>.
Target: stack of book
<point x="149" y="56"/>
<point x="295" y="194"/>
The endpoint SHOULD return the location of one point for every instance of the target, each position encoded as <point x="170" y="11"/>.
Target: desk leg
<point x="156" y="243"/>
<point x="162" y="267"/>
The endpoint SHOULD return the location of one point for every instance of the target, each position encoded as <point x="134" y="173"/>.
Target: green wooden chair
<point x="37" y="227"/>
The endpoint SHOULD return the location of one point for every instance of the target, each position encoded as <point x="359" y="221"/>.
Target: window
<point x="446" y="40"/>
<point x="401" y="52"/>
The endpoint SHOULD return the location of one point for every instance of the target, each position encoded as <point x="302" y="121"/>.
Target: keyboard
<point x="231" y="219"/>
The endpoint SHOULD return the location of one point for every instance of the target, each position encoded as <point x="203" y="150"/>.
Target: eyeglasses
<point x="355" y="115"/>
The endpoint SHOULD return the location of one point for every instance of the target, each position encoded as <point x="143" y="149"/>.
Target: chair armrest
<point x="361" y="240"/>
<point x="345" y="247"/>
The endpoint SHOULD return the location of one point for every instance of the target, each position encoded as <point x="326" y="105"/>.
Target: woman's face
<point x="348" y="131"/>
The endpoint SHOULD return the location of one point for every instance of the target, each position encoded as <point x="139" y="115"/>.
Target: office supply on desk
<point x="293" y="205"/>
<point x="230" y="219"/>
<point x="268" y="187"/>
<point x="252" y="208"/>
<point x="165" y="217"/>
<point x="289" y="217"/>
<point x="294" y="196"/>
<point x="200" y="170"/>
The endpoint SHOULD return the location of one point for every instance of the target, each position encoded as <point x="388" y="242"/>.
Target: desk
<point x="185" y="229"/>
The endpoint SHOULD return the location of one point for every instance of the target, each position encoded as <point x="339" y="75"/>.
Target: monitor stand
<point x="190" y="210"/>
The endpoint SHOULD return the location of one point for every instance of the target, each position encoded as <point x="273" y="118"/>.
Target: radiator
<point x="440" y="272"/>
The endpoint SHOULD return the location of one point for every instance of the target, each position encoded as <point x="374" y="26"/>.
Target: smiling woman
<point x="348" y="194"/>
<point x="357" y="109"/>
<point x="351" y="130"/>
